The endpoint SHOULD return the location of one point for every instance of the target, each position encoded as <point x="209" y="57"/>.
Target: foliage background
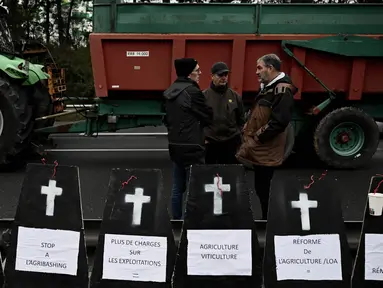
<point x="63" y="26"/>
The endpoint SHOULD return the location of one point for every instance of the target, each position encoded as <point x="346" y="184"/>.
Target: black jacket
<point x="229" y="115"/>
<point x="186" y="116"/>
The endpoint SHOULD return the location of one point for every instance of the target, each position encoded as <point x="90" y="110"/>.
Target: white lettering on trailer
<point x="137" y="53"/>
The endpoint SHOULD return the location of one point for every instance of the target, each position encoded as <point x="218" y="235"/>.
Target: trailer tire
<point x="290" y="141"/>
<point x="346" y="138"/>
<point x="16" y="122"/>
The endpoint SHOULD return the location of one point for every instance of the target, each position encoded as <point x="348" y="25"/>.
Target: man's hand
<point x="256" y="139"/>
<point x="244" y="127"/>
<point x="247" y="115"/>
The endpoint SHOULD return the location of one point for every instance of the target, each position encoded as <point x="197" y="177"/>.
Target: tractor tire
<point x="290" y="141"/>
<point x="43" y="106"/>
<point x="16" y="123"/>
<point x="346" y="138"/>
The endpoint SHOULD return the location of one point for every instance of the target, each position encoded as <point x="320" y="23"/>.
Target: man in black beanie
<point x="186" y="116"/>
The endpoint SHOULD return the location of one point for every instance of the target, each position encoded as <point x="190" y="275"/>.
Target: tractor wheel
<point x="290" y="140"/>
<point x="16" y="123"/>
<point x="43" y="106"/>
<point x="346" y="138"/>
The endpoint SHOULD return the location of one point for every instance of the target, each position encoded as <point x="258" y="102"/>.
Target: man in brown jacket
<point x="223" y="135"/>
<point x="264" y="134"/>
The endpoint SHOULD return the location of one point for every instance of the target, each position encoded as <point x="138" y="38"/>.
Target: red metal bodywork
<point x="112" y="70"/>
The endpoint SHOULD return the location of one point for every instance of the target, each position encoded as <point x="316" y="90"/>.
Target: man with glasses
<point x="186" y="116"/>
<point x="223" y="135"/>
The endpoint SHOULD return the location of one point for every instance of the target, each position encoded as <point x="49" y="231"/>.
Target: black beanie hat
<point x="184" y="66"/>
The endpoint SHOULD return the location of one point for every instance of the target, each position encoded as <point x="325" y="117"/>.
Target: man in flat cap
<point x="224" y="135"/>
<point x="186" y="116"/>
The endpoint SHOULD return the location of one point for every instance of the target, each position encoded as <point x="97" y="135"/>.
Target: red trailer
<point x="343" y="71"/>
<point x="150" y="68"/>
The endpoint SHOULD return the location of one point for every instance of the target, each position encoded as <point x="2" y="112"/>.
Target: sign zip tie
<point x="127" y="181"/>
<point x="55" y="169"/>
<point x="378" y="186"/>
<point x="219" y="188"/>
<point x="44" y="161"/>
<point x="313" y="181"/>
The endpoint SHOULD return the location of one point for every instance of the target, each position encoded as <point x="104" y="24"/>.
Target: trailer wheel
<point x="346" y="138"/>
<point x="16" y="123"/>
<point x="290" y="140"/>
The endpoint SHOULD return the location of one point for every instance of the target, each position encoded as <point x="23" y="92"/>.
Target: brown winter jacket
<point x="264" y="134"/>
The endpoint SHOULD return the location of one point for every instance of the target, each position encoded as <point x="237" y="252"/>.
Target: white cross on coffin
<point x="51" y="191"/>
<point x="217" y="202"/>
<point x="138" y="199"/>
<point x="304" y="204"/>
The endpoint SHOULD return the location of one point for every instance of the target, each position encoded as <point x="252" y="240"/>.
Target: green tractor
<point x="24" y="97"/>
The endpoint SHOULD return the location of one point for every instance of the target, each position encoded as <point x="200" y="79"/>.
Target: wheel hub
<point x="346" y="139"/>
<point x="1" y="122"/>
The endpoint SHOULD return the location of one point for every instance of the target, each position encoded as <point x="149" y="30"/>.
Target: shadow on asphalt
<point x="301" y="160"/>
<point x="294" y="161"/>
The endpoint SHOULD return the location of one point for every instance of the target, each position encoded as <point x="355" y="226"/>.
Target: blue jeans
<point x="180" y="180"/>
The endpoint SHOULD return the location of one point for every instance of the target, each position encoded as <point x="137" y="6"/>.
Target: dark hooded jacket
<point x="228" y="113"/>
<point x="186" y="116"/>
<point x="264" y="135"/>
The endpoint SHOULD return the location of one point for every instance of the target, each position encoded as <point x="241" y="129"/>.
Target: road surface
<point x="95" y="168"/>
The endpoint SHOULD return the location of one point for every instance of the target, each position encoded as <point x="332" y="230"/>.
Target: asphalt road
<point x="95" y="168"/>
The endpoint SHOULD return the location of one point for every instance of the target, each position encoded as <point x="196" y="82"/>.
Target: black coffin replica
<point x="136" y="246"/>
<point x="306" y="244"/>
<point x="368" y="266"/>
<point x="219" y="245"/>
<point x="1" y="273"/>
<point x="47" y="241"/>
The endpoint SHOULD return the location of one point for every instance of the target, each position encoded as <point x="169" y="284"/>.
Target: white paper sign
<point x="373" y="267"/>
<point x="312" y="257"/>
<point x="47" y="251"/>
<point x="219" y="252"/>
<point x="137" y="258"/>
